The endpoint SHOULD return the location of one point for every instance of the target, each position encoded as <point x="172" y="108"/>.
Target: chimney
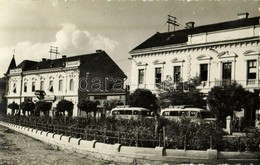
<point x="190" y="25"/>
<point x="243" y="15"/>
<point x="63" y="56"/>
<point x="44" y="59"/>
<point x="99" y="51"/>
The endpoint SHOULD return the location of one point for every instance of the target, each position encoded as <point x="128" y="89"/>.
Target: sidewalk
<point x="16" y="148"/>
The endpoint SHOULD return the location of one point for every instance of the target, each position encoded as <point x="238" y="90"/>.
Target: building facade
<point x="218" y="54"/>
<point x="91" y="76"/>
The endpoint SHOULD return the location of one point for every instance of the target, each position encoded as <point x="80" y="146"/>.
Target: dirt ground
<point x="18" y="149"/>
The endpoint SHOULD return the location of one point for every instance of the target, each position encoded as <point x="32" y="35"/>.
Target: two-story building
<point x="90" y="76"/>
<point x="219" y="54"/>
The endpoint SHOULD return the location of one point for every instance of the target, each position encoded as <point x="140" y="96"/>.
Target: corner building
<point x="91" y="76"/>
<point x="219" y="54"/>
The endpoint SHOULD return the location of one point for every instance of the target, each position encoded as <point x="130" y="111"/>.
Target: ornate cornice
<point x="192" y="47"/>
<point x="50" y="70"/>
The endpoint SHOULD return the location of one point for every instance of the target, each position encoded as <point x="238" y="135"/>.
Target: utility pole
<point x="54" y="50"/>
<point x="172" y="21"/>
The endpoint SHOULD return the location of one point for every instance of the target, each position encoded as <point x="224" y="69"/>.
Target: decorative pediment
<point x="25" y="79"/>
<point x="251" y="53"/>
<point x="140" y="63"/>
<point x="157" y="62"/>
<point x="60" y="76"/>
<point x="204" y="57"/>
<point x="51" y="77"/>
<point x="175" y="60"/>
<point x="34" y="79"/>
<point x="42" y="78"/>
<point x="227" y="54"/>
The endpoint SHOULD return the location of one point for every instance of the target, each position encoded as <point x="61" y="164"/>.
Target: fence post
<point x="105" y="135"/>
<point x="211" y="142"/>
<point x="239" y="146"/>
<point x="94" y="134"/>
<point x="185" y="142"/>
<point x="159" y="139"/>
<point x="137" y="143"/>
<point x="86" y="133"/>
<point x="118" y="138"/>
<point x="164" y="138"/>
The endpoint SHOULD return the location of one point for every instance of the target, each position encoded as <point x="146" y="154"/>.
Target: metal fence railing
<point x="144" y="139"/>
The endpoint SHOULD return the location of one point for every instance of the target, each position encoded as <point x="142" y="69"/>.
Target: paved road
<point x="18" y="149"/>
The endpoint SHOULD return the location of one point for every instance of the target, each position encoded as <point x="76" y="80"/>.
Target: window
<point x="51" y="86"/>
<point x="71" y="85"/>
<point x="42" y="85"/>
<point x="25" y="87"/>
<point x="14" y="88"/>
<point x="33" y="86"/>
<point x="251" y="69"/>
<point x="227" y="67"/>
<point x="177" y="74"/>
<point x="141" y="76"/>
<point x="203" y="72"/>
<point x="158" y="75"/>
<point x="60" y="85"/>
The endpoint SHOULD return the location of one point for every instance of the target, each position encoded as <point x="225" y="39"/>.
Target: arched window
<point x="60" y="85"/>
<point x="71" y="85"/>
<point x="25" y="87"/>
<point x="14" y="88"/>
<point x="33" y="86"/>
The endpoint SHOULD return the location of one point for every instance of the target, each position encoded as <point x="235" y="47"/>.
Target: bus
<point x="131" y="112"/>
<point x="198" y="115"/>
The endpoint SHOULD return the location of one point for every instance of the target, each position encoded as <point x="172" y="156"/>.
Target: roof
<point x="97" y="62"/>
<point x="12" y="65"/>
<point x="184" y="109"/>
<point x="181" y="36"/>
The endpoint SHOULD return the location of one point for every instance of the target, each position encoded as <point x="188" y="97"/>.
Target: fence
<point x="146" y="139"/>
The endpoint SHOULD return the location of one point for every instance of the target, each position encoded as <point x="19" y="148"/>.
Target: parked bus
<point x="131" y="112"/>
<point x="194" y="114"/>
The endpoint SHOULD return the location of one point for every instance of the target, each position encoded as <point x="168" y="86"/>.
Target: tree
<point x="3" y="105"/>
<point x="43" y="106"/>
<point x="88" y="106"/>
<point x="181" y="93"/>
<point x="110" y="104"/>
<point x="28" y="106"/>
<point x="223" y="101"/>
<point x="65" y="105"/>
<point x="143" y="98"/>
<point x="13" y="106"/>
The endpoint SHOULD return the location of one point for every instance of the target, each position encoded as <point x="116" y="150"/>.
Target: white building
<point x="218" y="53"/>
<point x="90" y="76"/>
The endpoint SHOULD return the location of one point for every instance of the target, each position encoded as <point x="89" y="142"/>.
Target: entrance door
<point x="226" y="73"/>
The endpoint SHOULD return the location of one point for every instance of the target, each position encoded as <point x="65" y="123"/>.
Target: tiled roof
<point x="181" y="36"/>
<point x="95" y="62"/>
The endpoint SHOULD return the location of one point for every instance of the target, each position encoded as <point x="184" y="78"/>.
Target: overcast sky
<point x="116" y="26"/>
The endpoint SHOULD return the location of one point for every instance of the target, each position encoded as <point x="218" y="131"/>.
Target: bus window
<point x="120" y="112"/>
<point x="193" y="114"/>
<point x="128" y="112"/>
<point x="207" y="115"/>
<point x="166" y="114"/>
<point x="136" y="112"/>
<point x="174" y="113"/>
<point x="145" y="113"/>
<point x="184" y="113"/>
<point x="115" y="112"/>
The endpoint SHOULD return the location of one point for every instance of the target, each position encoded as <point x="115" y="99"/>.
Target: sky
<point x="29" y="27"/>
